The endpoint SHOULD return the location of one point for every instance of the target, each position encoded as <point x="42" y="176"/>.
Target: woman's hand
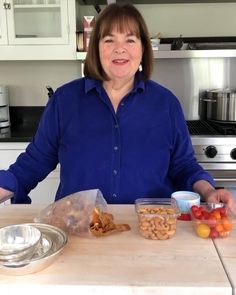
<point x="211" y="195"/>
<point x="5" y="194"/>
<point x="223" y="196"/>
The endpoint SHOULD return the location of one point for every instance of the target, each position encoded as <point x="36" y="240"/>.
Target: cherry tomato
<point x="203" y="230"/>
<point x="206" y="215"/>
<point x="185" y="217"/>
<point x="198" y="214"/>
<point x="214" y="223"/>
<point x="216" y="214"/>
<point x="224" y="234"/>
<point x="214" y="233"/>
<point x="219" y="227"/>
<point x="211" y="221"/>
<point x="201" y="209"/>
<point x="227" y="224"/>
<point x="194" y="208"/>
<point x="222" y="211"/>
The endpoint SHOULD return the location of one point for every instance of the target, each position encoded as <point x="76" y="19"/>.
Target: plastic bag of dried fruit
<point x="81" y="213"/>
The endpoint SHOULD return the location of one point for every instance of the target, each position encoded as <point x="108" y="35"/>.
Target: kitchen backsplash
<point x="26" y="118"/>
<point x="27" y="80"/>
<point x="24" y="123"/>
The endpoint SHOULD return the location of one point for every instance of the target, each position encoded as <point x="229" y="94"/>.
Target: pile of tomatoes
<point x="212" y="223"/>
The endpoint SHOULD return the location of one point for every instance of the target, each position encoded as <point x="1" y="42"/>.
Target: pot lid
<point x="221" y="93"/>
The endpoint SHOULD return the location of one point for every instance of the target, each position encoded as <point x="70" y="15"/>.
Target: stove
<point x="201" y="127"/>
<point x="214" y="144"/>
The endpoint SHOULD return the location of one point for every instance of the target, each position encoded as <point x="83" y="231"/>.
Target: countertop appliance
<point x="4" y="107"/>
<point x="214" y="144"/>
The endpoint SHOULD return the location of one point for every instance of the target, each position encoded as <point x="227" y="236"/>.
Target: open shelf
<point x="159" y="54"/>
<point x="100" y="2"/>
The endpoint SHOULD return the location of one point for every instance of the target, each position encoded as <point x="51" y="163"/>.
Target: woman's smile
<point x="120" y="54"/>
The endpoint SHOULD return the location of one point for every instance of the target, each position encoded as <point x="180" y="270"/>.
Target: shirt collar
<point x="139" y="84"/>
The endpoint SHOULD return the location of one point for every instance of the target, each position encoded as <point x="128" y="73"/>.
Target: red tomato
<point x="211" y="221"/>
<point x="213" y="233"/>
<point x="222" y="212"/>
<point x="206" y="215"/>
<point x="185" y="217"/>
<point x="201" y="209"/>
<point x="194" y="208"/>
<point x="198" y="214"/>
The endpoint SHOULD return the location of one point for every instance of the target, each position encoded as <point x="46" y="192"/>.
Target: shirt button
<point x="116" y="126"/>
<point x="114" y="195"/>
<point x="115" y="172"/>
<point x="122" y="104"/>
<point x="115" y="148"/>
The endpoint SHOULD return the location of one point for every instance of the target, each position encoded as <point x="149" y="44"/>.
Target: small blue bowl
<point x="186" y="199"/>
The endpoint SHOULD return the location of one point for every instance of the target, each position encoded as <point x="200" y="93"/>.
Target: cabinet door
<point x="45" y="191"/>
<point x="3" y="23"/>
<point x="38" y="22"/>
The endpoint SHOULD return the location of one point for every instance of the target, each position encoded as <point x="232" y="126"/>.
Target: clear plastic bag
<point x="73" y="213"/>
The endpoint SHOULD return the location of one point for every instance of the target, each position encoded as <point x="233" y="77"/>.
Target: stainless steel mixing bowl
<point x="18" y="242"/>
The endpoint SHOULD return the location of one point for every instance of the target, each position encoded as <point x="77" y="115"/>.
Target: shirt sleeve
<point x="38" y="160"/>
<point x="184" y="168"/>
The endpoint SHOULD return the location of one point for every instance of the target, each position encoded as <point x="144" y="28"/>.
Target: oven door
<point x="224" y="174"/>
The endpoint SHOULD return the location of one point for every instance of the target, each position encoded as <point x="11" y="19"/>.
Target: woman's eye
<point x="108" y="40"/>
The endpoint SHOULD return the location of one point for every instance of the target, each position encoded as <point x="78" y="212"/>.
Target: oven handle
<point x="208" y="100"/>
<point x="225" y="179"/>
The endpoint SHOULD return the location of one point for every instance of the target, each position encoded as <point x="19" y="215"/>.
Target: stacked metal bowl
<point x="18" y="242"/>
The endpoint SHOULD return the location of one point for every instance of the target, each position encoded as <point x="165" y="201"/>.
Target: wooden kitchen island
<point x="124" y="263"/>
<point x="227" y="252"/>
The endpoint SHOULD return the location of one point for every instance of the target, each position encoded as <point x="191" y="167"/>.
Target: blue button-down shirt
<point x="142" y="150"/>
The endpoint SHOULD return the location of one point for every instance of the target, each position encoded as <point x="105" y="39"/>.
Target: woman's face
<point x="120" y="54"/>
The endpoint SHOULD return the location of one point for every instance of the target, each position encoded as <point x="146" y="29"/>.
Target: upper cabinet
<point x="37" y="29"/>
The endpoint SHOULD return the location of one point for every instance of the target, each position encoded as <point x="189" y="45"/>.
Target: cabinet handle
<point x="7" y="5"/>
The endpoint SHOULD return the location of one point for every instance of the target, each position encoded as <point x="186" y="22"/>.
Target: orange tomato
<point x="219" y="227"/>
<point x="216" y="213"/>
<point x="224" y="234"/>
<point x="227" y="224"/>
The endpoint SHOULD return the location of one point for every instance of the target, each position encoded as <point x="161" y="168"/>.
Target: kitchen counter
<point x="20" y="134"/>
<point x="227" y="252"/>
<point x="123" y="263"/>
<point x="24" y="123"/>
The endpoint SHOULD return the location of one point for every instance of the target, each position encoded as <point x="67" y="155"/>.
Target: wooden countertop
<point x="227" y="252"/>
<point x="123" y="263"/>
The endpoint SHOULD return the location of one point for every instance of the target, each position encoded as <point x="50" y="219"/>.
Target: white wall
<point x="27" y="79"/>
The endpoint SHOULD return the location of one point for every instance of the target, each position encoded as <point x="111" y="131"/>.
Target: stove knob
<point x="211" y="151"/>
<point x="233" y="154"/>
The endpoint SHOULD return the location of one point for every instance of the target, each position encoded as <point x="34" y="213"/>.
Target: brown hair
<point x="120" y="16"/>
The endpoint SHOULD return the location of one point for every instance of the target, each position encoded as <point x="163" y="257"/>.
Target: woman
<point x="115" y="129"/>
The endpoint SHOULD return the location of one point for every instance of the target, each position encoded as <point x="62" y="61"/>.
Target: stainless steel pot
<point x="221" y="105"/>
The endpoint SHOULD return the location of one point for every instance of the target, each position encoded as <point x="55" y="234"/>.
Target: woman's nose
<point x="119" y="48"/>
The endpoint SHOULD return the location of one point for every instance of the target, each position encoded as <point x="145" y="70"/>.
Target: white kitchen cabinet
<point x="45" y="191"/>
<point x="37" y="29"/>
